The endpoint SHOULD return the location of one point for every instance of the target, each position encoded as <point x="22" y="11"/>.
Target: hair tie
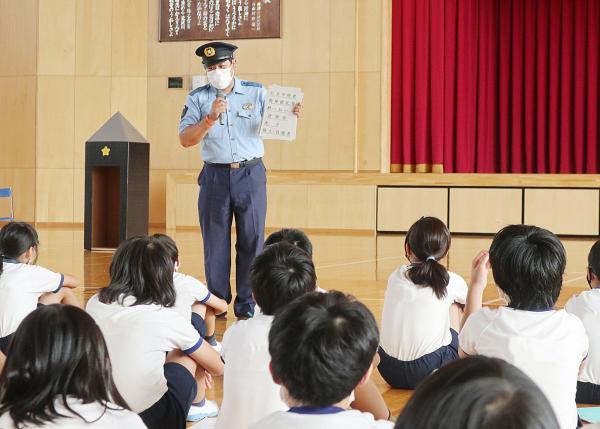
<point x="430" y="258"/>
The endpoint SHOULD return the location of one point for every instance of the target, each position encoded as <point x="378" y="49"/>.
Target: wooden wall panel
<point x="186" y="199"/>
<point x="306" y="51"/>
<point x="369" y="121"/>
<point x="310" y="151"/>
<point x="93" y="38"/>
<point x="130" y="37"/>
<point x="169" y="59"/>
<point x="17" y="121"/>
<point x="78" y="194"/>
<point x="484" y="210"/>
<point x="157" y="203"/>
<point x="248" y="62"/>
<point x="341" y="122"/>
<point x="55" y="121"/>
<point x="164" y="112"/>
<point x="129" y="96"/>
<point x="399" y="208"/>
<point x="56" y="37"/>
<point x="342" y="207"/>
<point x="22" y="180"/>
<point x="286" y="206"/>
<point x="18" y="37"/>
<point x="92" y="110"/>
<point x="54" y="195"/>
<point x="342" y="33"/>
<point x="563" y="211"/>
<point x="369" y="42"/>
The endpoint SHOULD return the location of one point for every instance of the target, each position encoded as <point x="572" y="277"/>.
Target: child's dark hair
<point x="478" y="392"/>
<point x="594" y="259"/>
<point x="16" y="238"/>
<point x="141" y="267"/>
<point x="528" y="265"/>
<point x="170" y="245"/>
<point x="280" y="274"/>
<point x="321" y="346"/>
<point x="292" y="236"/>
<point x="58" y="351"/>
<point x="429" y="240"/>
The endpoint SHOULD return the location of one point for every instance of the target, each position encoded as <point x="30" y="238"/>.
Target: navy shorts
<point x="5" y="342"/>
<point x="407" y="374"/>
<point x="199" y="324"/>
<point x="172" y="409"/>
<point x="587" y="393"/>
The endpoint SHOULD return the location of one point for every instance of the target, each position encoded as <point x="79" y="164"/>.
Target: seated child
<point x="58" y="375"/>
<point x="280" y="274"/>
<point x="586" y="306"/>
<point x="367" y="396"/>
<point x="322" y="346"/>
<point x="421" y="317"/>
<point x="23" y="284"/>
<point x="478" y="392"/>
<point x="160" y="363"/>
<point x="546" y="344"/>
<point x="193" y="300"/>
<point x="293" y="236"/>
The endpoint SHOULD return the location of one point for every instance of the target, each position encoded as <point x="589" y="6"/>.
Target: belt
<point x="236" y="165"/>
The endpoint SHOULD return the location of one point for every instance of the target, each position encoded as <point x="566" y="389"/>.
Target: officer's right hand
<point x="219" y="106"/>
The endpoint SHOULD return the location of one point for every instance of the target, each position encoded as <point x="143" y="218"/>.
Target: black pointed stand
<point x="117" y="159"/>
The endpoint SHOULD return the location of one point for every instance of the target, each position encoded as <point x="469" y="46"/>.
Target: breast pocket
<point x="248" y="121"/>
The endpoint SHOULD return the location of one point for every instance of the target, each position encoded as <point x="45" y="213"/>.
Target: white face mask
<point x="220" y="78"/>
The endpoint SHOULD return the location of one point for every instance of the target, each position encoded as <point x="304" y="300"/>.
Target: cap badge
<point x="209" y="51"/>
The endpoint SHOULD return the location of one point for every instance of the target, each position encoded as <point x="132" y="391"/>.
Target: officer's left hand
<point x="297" y="110"/>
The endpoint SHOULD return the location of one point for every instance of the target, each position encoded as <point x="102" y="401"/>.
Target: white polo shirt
<point x="21" y="285"/>
<point x="189" y="290"/>
<point x="548" y="346"/>
<point x="249" y="392"/>
<point x="329" y="418"/>
<point x="415" y="322"/>
<point x="138" y="338"/>
<point x="586" y="306"/>
<point x="95" y="413"/>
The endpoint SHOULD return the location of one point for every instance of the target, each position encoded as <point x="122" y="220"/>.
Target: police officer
<point x="224" y="116"/>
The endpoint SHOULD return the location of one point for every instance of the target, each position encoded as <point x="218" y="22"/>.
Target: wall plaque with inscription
<point x="182" y="20"/>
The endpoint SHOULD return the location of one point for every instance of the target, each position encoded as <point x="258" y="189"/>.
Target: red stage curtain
<point x="495" y="86"/>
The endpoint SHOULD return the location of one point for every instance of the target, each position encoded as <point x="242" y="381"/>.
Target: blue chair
<point x="8" y="193"/>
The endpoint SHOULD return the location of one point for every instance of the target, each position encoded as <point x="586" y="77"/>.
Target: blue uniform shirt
<point x="238" y="139"/>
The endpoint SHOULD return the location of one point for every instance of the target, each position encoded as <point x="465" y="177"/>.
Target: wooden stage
<point x="354" y="262"/>
<point x="469" y="203"/>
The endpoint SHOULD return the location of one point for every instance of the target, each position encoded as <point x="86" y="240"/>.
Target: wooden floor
<point x="356" y="263"/>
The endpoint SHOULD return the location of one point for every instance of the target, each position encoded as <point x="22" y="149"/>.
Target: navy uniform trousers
<point x="226" y="194"/>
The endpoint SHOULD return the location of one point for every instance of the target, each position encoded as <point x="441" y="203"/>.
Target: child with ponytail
<point x="422" y="309"/>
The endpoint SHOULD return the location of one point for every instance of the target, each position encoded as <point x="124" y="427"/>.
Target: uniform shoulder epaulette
<point x="250" y="83"/>
<point x="203" y="87"/>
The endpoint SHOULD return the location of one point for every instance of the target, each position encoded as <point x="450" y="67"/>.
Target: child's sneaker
<point x="209" y="409"/>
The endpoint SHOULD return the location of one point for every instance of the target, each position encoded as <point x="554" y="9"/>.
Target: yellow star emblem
<point x="105" y="151"/>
